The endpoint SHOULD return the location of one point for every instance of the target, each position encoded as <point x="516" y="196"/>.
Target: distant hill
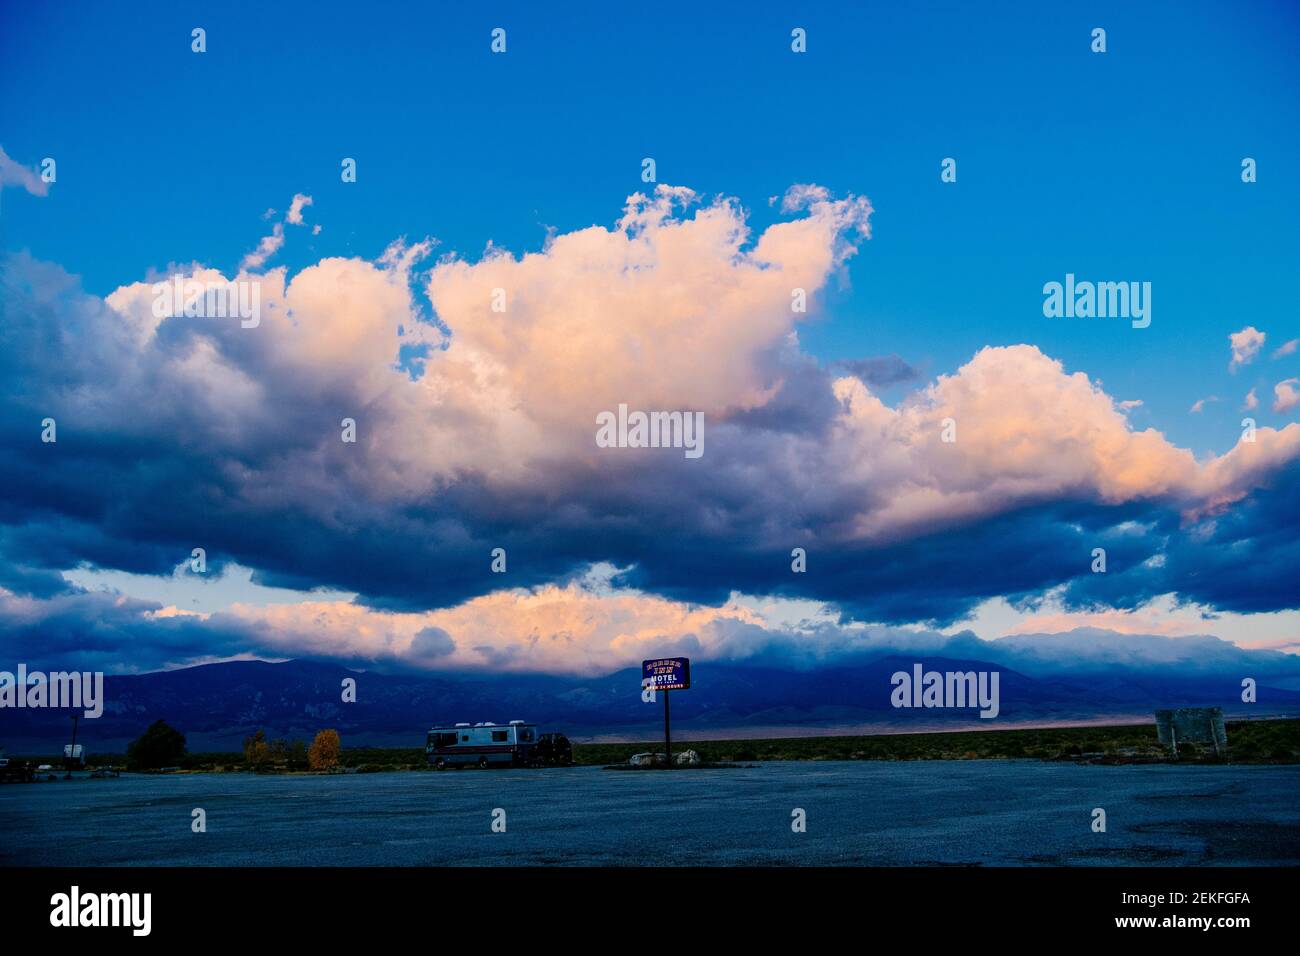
<point x="217" y="705"/>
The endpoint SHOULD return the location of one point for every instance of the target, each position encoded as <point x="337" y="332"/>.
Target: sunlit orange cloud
<point x="1025" y="430"/>
<point x="702" y="308"/>
<point x="552" y="628"/>
<point x="172" y="611"/>
<point x="587" y="627"/>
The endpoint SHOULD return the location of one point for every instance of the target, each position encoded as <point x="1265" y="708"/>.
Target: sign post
<point x="668" y="739"/>
<point x="71" y="751"/>
<point x="667" y="674"/>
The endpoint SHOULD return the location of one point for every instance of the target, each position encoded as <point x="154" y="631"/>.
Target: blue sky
<point x="1122" y="166"/>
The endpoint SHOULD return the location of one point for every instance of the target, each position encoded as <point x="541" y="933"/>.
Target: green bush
<point x="159" y="746"/>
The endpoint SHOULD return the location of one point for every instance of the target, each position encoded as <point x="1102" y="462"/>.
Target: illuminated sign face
<point x="667" y="673"/>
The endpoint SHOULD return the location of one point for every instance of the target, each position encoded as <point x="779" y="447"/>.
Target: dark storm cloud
<point x="881" y="371"/>
<point x="87" y="631"/>
<point x="1244" y="559"/>
<point x="937" y="578"/>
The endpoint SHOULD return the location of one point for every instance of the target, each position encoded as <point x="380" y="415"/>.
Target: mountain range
<point x="217" y="705"/>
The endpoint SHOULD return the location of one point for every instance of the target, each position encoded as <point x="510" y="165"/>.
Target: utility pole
<point x="73" y="752"/>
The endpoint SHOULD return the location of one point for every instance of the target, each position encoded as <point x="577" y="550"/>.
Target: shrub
<point x="159" y="746"/>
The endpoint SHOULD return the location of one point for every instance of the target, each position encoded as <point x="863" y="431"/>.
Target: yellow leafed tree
<point x="256" y="750"/>
<point x="324" y="752"/>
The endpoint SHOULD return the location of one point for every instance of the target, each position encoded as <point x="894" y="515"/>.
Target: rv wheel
<point x="482" y="763"/>
<point x="440" y="764"/>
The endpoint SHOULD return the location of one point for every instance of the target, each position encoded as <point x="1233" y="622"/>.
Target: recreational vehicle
<point x="15" y="771"/>
<point x="516" y="744"/>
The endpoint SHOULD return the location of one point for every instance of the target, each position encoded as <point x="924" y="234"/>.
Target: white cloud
<point x="1026" y="431"/>
<point x="268" y="247"/>
<point x="273" y="243"/>
<point x="294" y="216"/>
<point x="15" y="174"/>
<point x="512" y="397"/>
<point x="1166" y="615"/>
<point x="1245" y="346"/>
<point x="1285" y="395"/>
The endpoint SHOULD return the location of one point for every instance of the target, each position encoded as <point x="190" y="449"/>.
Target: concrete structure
<point x="1192" y="725"/>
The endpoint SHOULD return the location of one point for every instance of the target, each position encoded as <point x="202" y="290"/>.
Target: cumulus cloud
<point x="1245" y="346"/>
<point x="1285" y="395"/>
<point x="662" y="312"/>
<point x="1009" y="452"/>
<point x="1286" y="348"/>
<point x="475" y="430"/>
<point x="16" y="174"/>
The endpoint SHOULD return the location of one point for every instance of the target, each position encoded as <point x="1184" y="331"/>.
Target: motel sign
<point x="667" y="673"/>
